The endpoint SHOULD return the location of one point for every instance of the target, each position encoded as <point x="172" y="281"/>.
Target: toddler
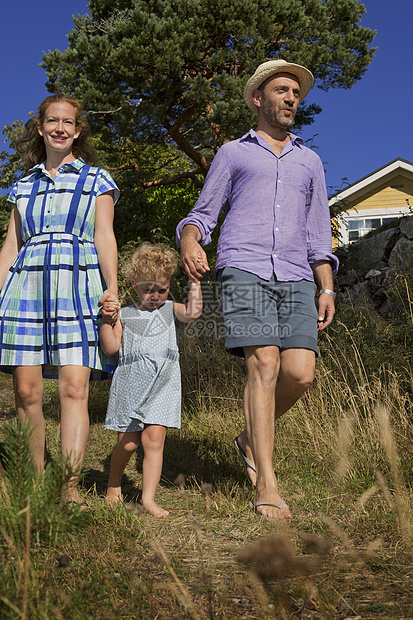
<point x="145" y="395"/>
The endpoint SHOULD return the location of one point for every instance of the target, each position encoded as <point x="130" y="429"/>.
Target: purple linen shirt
<point x="277" y="216"/>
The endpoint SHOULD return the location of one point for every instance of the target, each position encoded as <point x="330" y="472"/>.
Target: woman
<point x="58" y="257"/>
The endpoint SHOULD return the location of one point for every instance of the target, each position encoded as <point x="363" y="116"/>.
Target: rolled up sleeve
<point x="319" y="238"/>
<point x="212" y="199"/>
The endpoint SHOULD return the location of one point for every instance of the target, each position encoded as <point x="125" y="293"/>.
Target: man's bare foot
<point x="269" y="505"/>
<point x="154" y="509"/>
<point x="114" y="495"/>
<point x="245" y="451"/>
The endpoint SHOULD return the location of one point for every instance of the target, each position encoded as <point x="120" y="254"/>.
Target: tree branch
<point x="104" y="111"/>
<point x="189" y="174"/>
<point x="180" y="141"/>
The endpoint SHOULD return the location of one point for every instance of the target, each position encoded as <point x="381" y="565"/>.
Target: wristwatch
<point x="326" y="290"/>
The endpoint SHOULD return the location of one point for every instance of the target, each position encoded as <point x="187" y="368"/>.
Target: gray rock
<point x="380" y="295"/>
<point x="370" y="266"/>
<point x="385" y="309"/>
<point x="402" y="253"/>
<point x="406" y="227"/>
<point x="370" y="252"/>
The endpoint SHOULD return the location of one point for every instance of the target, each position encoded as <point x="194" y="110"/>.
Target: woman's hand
<point x="111" y="306"/>
<point x="108" y="295"/>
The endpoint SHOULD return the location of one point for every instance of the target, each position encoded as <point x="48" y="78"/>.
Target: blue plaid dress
<point x="48" y="304"/>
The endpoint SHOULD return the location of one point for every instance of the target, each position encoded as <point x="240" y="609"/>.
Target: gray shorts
<point x="258" y="312"/>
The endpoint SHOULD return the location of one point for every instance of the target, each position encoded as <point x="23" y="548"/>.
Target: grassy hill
<point x="344" y="461"/>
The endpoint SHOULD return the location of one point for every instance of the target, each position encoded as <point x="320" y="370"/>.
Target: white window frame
<point x="366" y="214"/>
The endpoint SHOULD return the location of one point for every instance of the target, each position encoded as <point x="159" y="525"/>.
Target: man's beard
<point x="274" y="117"/>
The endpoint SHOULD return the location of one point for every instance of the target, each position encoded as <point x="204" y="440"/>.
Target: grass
<point x="344" y="461"/>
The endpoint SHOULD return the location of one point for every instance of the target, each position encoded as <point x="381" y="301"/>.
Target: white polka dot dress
<point x="146" y="385"/>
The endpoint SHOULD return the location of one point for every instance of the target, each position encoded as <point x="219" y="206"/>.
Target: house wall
<point x="386" y="195"/>
<point x="393" y="198"/>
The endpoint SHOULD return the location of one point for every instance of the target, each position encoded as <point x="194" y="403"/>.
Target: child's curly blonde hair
<point x="151" y="263"/>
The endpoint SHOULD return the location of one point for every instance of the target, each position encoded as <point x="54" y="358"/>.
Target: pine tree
<point x="31" y="501"/>
<point x="172" y="72"/>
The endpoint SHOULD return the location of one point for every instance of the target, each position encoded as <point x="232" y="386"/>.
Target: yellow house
<point x="365" y="205"/>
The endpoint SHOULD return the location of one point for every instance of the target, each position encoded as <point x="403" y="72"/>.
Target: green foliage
<point x="4" y="216"/>
<point x="10" y="162"/>
<point x="10" y="170"/>
<point x="150" y="212"/>
<point x="31" y="502"/>
<point x="174" y="70"/>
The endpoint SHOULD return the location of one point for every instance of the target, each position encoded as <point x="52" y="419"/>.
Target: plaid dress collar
<point x="75" y="166"/>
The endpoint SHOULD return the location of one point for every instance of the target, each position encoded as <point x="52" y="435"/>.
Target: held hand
<point x="194" y="260"/>
<point x="111" y="307"/>
<point x="110" y="313"/>
<point x="107" y="318"/>
<point x="108" y="295"/>
<point x="326" y="311"/>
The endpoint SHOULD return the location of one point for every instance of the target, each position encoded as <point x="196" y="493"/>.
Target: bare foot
<point x="154" y="509"/>
<point x="269" y="505"/>
<point x="244" y="445"/>
<point x="79" y="504"/>
<point x="114" y="495"/>
<point x="72" y="498"/>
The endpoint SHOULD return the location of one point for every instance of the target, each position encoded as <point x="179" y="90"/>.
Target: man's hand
<point x="326" y="311"/>
<point x="323" y="276"/>
<point x="193" y="258"/>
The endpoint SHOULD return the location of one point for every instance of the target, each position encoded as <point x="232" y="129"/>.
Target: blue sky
<point x="359" y="130"/>
<point x="369" y="125"/>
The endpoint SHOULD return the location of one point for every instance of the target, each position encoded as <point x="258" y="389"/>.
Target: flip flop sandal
<point x="280" y="506"/>
<point x="245" y="460"/>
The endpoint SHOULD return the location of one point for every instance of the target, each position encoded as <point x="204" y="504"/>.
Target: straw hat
<point x="270" y="68"/>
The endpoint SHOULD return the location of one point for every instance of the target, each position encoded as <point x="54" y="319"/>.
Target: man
<point x="275" y="240"/>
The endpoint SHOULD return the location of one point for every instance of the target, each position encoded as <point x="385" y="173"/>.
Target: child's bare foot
<point x="114" y="495"/>
<point x="154" y="509"/>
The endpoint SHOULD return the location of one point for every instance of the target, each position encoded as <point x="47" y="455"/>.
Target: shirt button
<point x="279" y="180"/>
<point x="276" y="229"/>
<point x="274" y="256"/>
<point x="278" y="206"/>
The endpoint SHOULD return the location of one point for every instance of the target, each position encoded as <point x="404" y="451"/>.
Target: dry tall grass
<point x="344" y="461"/>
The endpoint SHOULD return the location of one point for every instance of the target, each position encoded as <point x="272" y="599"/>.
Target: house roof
<point x="373" y="180"/>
